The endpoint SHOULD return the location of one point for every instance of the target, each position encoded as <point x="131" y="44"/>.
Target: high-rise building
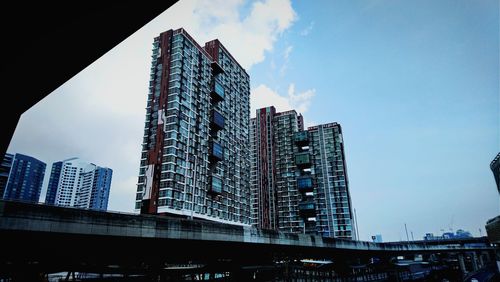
<point x="55" y="174"/>
<point x="5" y="166"/>
<point x="195" y="151"/>
<point x="493" y="224"/>
<point x="274" y="192"/>
<point x="25" y="179"/>
<point x="80" y="184"/>
<point x="495" y="168"/>
<point x="298" y="177"/>
<point x="334" y="217"/>
<point x="101" y="184"/>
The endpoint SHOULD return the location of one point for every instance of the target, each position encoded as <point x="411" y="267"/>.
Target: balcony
<point x="217" y="92"/>
<point x="216" y="152"/>
<point x="215" y="185"/>
<point x="305" y="184"/>
<point x="301" y="138"/>
<point x="307" y="208"/>
<point x="216" y="68"/>
<point x="217" y="120"/>
<point x="302" y="160"/>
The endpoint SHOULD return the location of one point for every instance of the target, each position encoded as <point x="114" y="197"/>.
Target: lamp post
<point x="407" y="238"/>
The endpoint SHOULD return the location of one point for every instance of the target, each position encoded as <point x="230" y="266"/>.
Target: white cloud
<point x="262" y="96"/>
<point x="300" y="101"/>
<point x="247" y="37"/>
<point x="308" y="29"/>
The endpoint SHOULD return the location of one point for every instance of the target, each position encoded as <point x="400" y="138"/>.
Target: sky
<point x="414" y="85"/>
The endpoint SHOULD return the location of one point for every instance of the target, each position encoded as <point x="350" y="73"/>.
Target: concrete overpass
<point x="48" y="239"/>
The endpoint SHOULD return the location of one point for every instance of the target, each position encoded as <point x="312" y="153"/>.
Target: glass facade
<point x="298" y="177"/>
<point x="76" y="183"/>
<point x="274" y="189"/>
<point x="218" y="90"/>
<point x="4" y="171"/>
<point x="218" y="119"/>
<point x="196" y="132"/>
<point x="307" y="206"/>
<point x="334" y="216"/>
<point x="216" y="185"/>
<point x="301" y="137"/>
<point x="100" y="189"/>
<point x="216" y="151"/>
<point x="55" y="174"/>
<point x="305" y="183"/>
<point x="302" y="159"/>
<point x="25" y="179"/>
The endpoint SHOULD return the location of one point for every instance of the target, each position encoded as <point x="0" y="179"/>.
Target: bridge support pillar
<point x="482" y="262"/>
<point x="462" y="263"/>
<point x="475" y="265"/>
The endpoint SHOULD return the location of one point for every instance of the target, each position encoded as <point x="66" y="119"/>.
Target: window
<point x="216" y="184"/>
<point x="304" y="182"/>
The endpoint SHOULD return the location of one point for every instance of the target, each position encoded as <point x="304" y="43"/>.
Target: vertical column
<point x="475" y="265"/>
<point x="462" y="263"/>
<point x="481" y="261"/>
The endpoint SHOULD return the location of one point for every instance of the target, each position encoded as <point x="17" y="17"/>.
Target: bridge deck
<point x="17" y="216"/>
<point x="91" y="237"/>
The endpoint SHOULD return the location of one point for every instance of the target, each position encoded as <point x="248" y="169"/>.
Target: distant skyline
<point x="414" y="85"/>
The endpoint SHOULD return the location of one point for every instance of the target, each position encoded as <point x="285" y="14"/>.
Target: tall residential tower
<point x="298" y="177"/>
<point x="76" y="183"/>
<point x="334" y="216"/>
<point x="5" y="166"/>
<point x="274" y="192"/>
<point x="25" y="179"/>
<point x="195" y="151"/>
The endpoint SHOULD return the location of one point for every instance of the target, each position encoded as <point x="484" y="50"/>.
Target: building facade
<point x="25" y="179"/>
<point x="274" y="192"/>
<point x="4" y="171"/>
<point x="493" y="224"/>
<point x="495" y="168"/>
<point x="55" y="174"/>
<point x="299" y="178"/>
<point x="334" y="216"/>
<point x="195" y="151"/>
<point x="76" y="183"/>
<point x="101" y="184"/>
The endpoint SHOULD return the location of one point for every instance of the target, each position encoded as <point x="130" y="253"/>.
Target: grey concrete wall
<point x="42" y="218"/>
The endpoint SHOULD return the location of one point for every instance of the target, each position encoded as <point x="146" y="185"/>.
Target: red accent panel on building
<point x="155" y="154"/>
<point x="265" y="187"/>
<point x="212" y="48"/>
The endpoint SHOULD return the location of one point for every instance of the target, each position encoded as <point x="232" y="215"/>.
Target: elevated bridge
<point x="47" y="239"/>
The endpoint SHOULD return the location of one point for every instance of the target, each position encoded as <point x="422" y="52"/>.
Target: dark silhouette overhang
<point x="46" y="43"/>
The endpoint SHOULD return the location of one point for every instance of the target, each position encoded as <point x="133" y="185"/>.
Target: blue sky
<point x="414" y="84"/>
